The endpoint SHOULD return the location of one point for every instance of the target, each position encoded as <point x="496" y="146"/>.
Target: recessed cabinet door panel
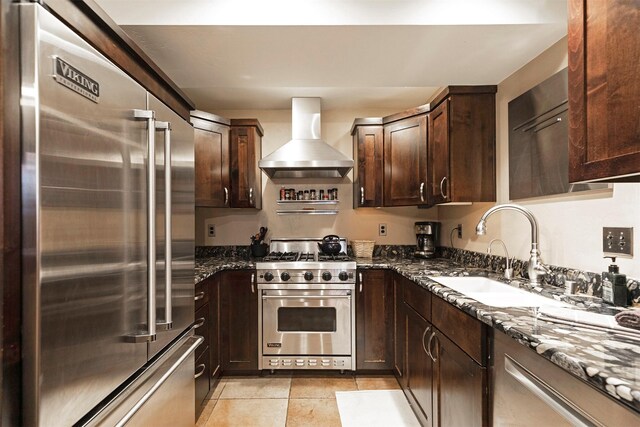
<point x="374" y="311"/>
<point x="405" y="168"/>
<point x="604" y="89"/>
<point x="212" y="166"/>
<point x="419" y="369"/>
<point x="439" y="153"/>
<point x="368" y="175"/>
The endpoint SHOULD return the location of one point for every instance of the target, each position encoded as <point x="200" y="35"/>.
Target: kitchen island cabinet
<point x="374" y="320"/>
<point x="462" y="145"/>
<point x="368" y="158"/>
<point x="604" y="91"/>
<point x="238" y="322"/>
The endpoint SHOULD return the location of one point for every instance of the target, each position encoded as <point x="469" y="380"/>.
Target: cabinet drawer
<point x="202" y="375"/>
<point x="468" y="333"/>
<point x="201" y="296"/>
<point x="201" y="326"/>
<point x="417" y="298"/>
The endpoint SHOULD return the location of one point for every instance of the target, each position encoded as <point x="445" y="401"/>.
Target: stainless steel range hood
<point x="306" y="155"/>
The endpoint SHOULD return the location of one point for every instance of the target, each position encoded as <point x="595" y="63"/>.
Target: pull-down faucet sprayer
<point x="536" y="269"/>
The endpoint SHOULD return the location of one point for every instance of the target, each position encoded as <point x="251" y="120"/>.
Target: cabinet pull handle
<point x="226" y="196"/>
<point x="202" y="368"/>
<point x="422" y="191"/>
<point x="251" y="196"/>
<point x="424" y="334"/>
<point x="433" y="335"/>
<point x="444" y="196"/>
<point x="199" y="323"/>
<point x="198" y="296"/>
<point x="362" y="195"/>
<point x="360" y="280"/>
<point x="253" y="289"/>
<point x="167" y="324"/>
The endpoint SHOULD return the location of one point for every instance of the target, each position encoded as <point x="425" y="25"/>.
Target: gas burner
<point x="307" y="256"/>
<point x="281" y="256"/>
<point x="338" y="257"/>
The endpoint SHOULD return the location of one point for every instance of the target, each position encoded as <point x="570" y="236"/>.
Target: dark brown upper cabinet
<point x="604" y="91"/>
<point x="462" y="145"/>
<point x="246" y="150"/>
<point x="405" y="160"/>
<point x="211" y="137"/>
<point x="369" y="161"/>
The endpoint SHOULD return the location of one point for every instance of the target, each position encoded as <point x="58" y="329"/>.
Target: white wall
<point x="570" y="226"/>
<point x="235" y="226"/>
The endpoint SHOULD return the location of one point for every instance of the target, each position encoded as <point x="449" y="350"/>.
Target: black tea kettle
<point x="330" y="245"/>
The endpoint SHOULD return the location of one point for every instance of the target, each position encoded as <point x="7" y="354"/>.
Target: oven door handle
<point x="305" y="296"/>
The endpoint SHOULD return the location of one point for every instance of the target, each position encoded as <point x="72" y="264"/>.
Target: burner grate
<point x="307" y="256"/>
<point x="338" y="257"/>
<point x="281" y="256"/>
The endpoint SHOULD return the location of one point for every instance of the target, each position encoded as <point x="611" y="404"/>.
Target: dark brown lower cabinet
<point x="419" y="368"/>
<point x="445" y="381"/>
<point x="374" y="321"/>
<point x="459" y="386"/>
<point x="238" y="322"/>
<point x="201" y="327"/>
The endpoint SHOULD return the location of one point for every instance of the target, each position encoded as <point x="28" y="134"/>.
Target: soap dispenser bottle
<point x="614" y="285"/>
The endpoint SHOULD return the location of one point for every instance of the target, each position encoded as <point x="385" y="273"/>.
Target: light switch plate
<point x="617" y="241"/>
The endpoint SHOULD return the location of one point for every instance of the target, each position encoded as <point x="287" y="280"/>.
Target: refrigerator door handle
<point x="167" y="324"/>
<point x="195" y="342"/>
<point x="150" y="333"/>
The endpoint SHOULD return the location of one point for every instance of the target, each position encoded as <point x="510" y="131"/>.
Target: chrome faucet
<point x="536" y="269"/>
<point x="508" y="271"/>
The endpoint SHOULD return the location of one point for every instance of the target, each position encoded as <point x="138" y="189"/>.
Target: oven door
<point x="306" y="322"/>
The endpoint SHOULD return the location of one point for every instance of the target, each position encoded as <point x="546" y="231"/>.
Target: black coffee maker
<point x="426" y="238"/>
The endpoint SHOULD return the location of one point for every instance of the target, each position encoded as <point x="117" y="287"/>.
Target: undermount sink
<point x="494" y="293"/>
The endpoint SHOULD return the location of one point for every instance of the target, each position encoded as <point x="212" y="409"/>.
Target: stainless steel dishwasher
<point x="531" y="391"/>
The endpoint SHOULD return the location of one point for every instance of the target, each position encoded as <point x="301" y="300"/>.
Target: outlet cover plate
<point x="617" y="241"/>
<point x="382" y="229"/>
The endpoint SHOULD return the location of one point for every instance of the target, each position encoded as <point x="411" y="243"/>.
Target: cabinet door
<point x="419" y="369"/>
<point x="238" y="321"/>
<point x="214" y="326"/>
<point x="604" y="89"/>
<point x="439" y="153"/>
<point x="405" y="162"/>
<point x="246" y="179"/>
<point x="374" y="321"/>
<point x="368" y="173"/>
<point x="459" y="386"/>
<point x="399" y="330"/>
<point x="212" y="166"/>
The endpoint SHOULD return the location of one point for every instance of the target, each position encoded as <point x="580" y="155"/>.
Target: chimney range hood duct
<point x="306" y="155"/>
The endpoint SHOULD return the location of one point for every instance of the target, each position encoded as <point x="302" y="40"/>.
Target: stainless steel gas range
<point x="306" y="311"/>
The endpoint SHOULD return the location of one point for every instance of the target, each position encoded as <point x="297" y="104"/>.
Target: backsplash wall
<point x="235" y="226"/>
<point x="570" y="226"/>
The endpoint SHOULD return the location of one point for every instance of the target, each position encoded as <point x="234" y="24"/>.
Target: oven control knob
<point x="268" y="276"/>
<point x="343" y="275"/>
<point x="308" y="275"/>
<point x="326" y="276"/>
<point x="285" y="276"/>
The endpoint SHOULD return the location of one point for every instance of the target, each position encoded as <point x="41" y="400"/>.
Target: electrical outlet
<point x="459" y="231"/>
<point x="617" y="241"/>
<point x="382" y="229"/>
<point x="211" y="230"/>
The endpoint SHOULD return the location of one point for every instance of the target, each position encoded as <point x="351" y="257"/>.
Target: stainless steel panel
<point x="531" y="391"/>
<point x="84" y="220"/>
<point x="162" y="394"/>
<point x="277" y="341"/>
<point x="182" y="225"/>
<point x="539" y="141"/>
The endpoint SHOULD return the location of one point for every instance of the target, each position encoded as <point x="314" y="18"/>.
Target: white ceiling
<point x="356" y="54"/>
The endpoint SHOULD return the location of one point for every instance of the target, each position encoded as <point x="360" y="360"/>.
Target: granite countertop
<point x="608" y="361"/>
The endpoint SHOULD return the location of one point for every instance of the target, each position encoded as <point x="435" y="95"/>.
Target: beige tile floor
<point x="284" y="400"/>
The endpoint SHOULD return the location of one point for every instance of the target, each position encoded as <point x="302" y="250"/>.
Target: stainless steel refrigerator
<point x="108" y="242"/>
